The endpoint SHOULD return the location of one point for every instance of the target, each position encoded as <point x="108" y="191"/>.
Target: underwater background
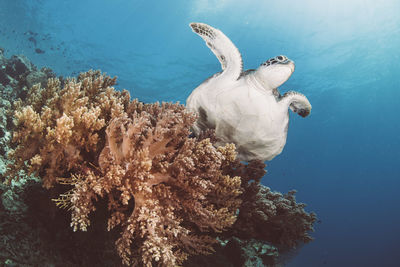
<point x="343" y="159"/>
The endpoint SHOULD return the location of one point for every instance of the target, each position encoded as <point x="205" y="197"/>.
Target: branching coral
<point x="167" y="192"/>
<point x="175" y="184"/>
<point x="56" y="126"/>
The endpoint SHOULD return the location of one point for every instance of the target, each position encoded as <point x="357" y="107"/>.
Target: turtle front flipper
<point x="226" y="52"/>
<point x="297" y="103"/>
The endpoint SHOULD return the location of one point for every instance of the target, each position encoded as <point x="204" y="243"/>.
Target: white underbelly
<point x="252" y="120"/>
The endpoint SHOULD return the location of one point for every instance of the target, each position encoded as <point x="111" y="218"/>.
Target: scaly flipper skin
<point x="245" y="107"/>
<point x="297" y="102"/>
<point x="226" y="52"/>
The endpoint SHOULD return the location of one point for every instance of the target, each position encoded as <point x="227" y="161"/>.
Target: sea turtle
<point x="245" y="107"/>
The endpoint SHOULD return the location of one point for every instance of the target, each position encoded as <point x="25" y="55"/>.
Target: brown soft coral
<point x="174" y="183"/>
<point x="165" y="190"/>
<point x="56" y="126"/>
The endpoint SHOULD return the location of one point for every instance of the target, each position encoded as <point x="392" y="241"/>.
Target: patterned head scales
<point x="275" y="60"/>
<point x="275" y="71"/>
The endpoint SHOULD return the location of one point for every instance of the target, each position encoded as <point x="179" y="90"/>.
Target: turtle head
<point x="275" y="71"/>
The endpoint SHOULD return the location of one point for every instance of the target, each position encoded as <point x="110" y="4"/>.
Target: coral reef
<point x="236" y="252"/>
<point x="132" y="168"/>
<point x="16" y="75"/>
<point x="250" y="252"/>
<point x="264" y="215"/>
<point x="179" y="194"/>
<point x="33" y="232"/>
<point x="267" y="215"/>
<point x="165" y="190"/>
<point x="57" y="127"/>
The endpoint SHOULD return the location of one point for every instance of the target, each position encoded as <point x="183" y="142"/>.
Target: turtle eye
<point x="280" y="58"/>
<point x="272" y="61"/>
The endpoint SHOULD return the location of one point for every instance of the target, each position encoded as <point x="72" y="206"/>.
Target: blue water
<point x="343" y="159"/>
